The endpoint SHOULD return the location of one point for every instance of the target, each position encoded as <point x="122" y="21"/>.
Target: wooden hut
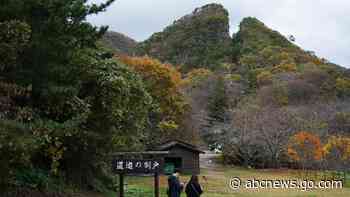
<point x="181" y="155"/>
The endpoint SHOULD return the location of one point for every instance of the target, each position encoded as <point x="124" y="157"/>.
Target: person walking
<point x="193" y="188"/>
<point x="175" y="187"/>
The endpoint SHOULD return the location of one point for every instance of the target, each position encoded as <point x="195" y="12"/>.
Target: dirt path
<point x="213" y="174"/>
<point x="208" y="160"/>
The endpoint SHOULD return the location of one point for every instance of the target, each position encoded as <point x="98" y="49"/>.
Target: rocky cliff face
<point x="200" y="39"/>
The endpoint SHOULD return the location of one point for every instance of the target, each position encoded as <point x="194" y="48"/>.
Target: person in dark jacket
<point x="175" y="187"/>
<point x="193" y="188"/>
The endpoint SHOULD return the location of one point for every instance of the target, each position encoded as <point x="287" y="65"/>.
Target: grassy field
<point x="217" y="184"/>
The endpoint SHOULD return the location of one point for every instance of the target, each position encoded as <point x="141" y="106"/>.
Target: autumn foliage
<point x="163" y="81"/>
<point x="196" y="76"/>
<point x="305" y="146"/>
<point x="339" y="146"/>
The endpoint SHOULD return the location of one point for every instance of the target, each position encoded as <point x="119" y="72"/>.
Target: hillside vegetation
<point x="200" y="39"/>
<point x="119" y="43"/>
<point x="257" y="92"/>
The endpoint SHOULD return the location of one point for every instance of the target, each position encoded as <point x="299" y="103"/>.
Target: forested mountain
<point x="200" y="39"/>
<point x="252" y="91"/>
<point x="119" y="43"/>
<point x="257" y="46"/>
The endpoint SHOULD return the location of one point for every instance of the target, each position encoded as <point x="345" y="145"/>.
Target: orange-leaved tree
<point x="305" y="148"/>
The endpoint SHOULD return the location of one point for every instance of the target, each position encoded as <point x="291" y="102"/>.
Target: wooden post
<point x="156" y="184"/>
<point x="121" y="185"/>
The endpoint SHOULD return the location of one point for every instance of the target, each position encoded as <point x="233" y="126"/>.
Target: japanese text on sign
<point x="136" y="166"/>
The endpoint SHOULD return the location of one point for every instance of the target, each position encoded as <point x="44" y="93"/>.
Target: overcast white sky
<point x="322" y="26"/>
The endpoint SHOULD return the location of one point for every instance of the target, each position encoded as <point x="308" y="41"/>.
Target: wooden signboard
<point x="137" y="166"/>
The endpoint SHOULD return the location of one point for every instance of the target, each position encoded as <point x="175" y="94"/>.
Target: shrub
<point x="300" y="92"/>
<point x="280" y="93"/>
<point x="14" y="37"/>
<point x="32" y="178"/>
<point x="285" y="67"/>
<point x="264" y="78"/>
<point x="196" y="76"/>
<point x="16" y="148"/>
<point x="233" y="77"/>
<point x="340" y="123"/>
<point x="343" y="87"/>
<point x="315" y="76"/>
<point x="341" y="145"/>
<point x="252" y="77"/>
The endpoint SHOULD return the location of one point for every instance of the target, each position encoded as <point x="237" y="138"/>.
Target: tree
<point x="337" y="151"/>
<point x="163" y="82"/>
<point x="340" y="123"/>
<point x="58" y="33"/>
<point x="195" y="77"/>
<point x="343" y="87"/>
<point x="14" y="36"/>
<point x="198" y="86"/>
<point x="65" y="103"/>
<point x="306" y="149"/>
<point x="264" y="78"/>
<point x="337" y="154"/>
<point x="285" y="67"/>
<point x="258" y="135"/>
<point x="217" y="106"/>
<point x="273" y="127"/>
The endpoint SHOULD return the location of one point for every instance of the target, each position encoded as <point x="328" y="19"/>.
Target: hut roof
<point x="172" y="143"/>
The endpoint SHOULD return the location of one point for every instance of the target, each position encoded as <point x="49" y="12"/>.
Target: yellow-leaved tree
<point x="163" y="82"/>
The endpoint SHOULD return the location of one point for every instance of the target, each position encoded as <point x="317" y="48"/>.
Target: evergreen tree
<point x="217" y="114"/>
<point x="65" y="103"/>
<point x="218" y="102"/>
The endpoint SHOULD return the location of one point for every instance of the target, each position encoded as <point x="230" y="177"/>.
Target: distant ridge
<point x="119" y="42"/>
